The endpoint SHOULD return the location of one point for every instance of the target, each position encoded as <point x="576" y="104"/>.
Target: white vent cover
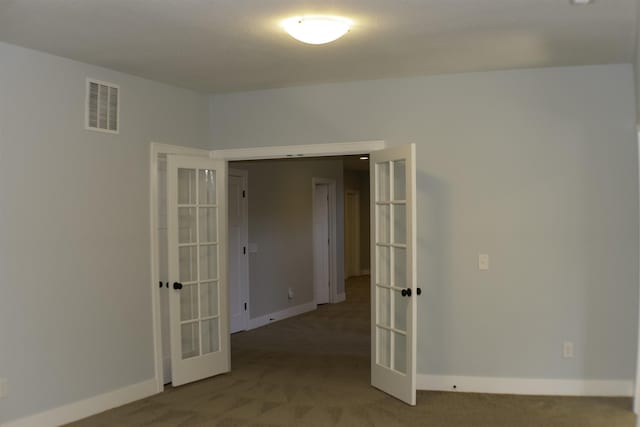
<point x="103" y="106"/>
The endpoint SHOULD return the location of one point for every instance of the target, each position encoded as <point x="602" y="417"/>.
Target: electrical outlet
<point x="4" y="385"/>
<point x="483" y="262"/>
<point x="567" y="349"/>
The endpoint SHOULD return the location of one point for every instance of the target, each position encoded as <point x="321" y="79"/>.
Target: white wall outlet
<point x="483" y="262"/>
<point x="567" y="349"/>
<point x="4" y="387"/>
<point x="290" y="293"/>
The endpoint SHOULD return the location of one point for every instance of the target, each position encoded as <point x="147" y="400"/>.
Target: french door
<point x="197" y="240"/>
<point x="393" y="272"/>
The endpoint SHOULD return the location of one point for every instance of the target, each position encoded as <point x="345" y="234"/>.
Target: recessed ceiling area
<point x="236" y="45"/>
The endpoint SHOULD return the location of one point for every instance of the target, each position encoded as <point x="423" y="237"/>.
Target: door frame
<point x="157" y="149"/>
<point x="333" y="235"/>
<point x="245" y="233"/>
<point x="356" y="227"/>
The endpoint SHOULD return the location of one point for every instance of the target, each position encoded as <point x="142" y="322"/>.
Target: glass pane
<point x="384" y="221"/>
<point x="384" y="307"/>
<point x="400" y="353"/>
<point x="189" y="336"/>
<point x="383" y="182"/>
<point x="208" y="225"/>
<point x="399" y="223"/>
<point x="400" y="307"/>
<point x="384" y="347"/>
<point x="382" y="266"/>
<point x="207" y="187"/>
<point x="399" y="180"/>
<point x="186" y="225"/>
<point x="186" y="186"/>
<point x="189" y="302"/>
<point x="400" y="267"/>
<point x="209" y="299"/>
<point x="208" y="262"/>
<point x="210" y="334"/>
<point x="187" y="264"/>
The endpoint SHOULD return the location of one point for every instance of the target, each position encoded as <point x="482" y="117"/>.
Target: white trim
<point x="285" y="151"/>
<point x="333" y="235"/>
<point x="341" y="297"/>
<point x="87" y="407"/>
<point x="636" y="392"/>
<point x="157" y="149"/>
<point x="281" y="315"/>
<point x="527" y="386"/>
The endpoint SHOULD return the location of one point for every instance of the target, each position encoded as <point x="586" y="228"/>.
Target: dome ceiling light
<point x="317" y="29"/>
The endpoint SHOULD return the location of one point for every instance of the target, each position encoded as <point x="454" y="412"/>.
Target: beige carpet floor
<point x="313" y="370"/>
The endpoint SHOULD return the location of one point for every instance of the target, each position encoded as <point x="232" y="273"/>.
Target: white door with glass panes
<point x="393" y="272"/>
<point x="197" y="224"/>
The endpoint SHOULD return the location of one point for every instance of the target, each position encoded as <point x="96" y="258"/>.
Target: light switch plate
<point x="3" y="388"/>
<point x="253" y="248"/>
<point x="483" y="262"/>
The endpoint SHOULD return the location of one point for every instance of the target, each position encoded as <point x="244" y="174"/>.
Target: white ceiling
<point x="230" y="45"/>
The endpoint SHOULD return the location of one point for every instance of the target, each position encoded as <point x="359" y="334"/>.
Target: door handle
<point x="418" y="291"/>
<point x="405" y="292"/>
<point x="177" y="286"/>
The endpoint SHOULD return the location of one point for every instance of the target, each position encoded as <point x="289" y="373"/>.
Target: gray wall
<point x="75" y="304"/>
<point x="281" y="223"/>
<point x="537" y="168"/>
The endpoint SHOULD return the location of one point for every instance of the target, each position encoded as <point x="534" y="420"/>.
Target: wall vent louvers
<point x="103" y="106"/>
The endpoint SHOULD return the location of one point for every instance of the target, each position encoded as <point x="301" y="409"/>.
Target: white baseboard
<point x="530" y="386"/>
<point x="340" y="297"/>
<point x="87" y="407"/>
<point x="281" y="315"/>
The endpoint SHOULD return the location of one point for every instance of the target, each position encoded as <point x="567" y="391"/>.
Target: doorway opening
<point x="198" y="241"/>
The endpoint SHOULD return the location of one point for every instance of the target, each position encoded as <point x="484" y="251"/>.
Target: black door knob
<point x="403" y="292"/>
<point x="177" y="286"/>
<point x="418" y="291"/>
<point x="408" y="292"/>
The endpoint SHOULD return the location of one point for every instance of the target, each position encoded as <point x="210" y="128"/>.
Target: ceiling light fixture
<point x="317" y="29"/>
<point x="581" y="2"/>
<point x="364" y="157"/>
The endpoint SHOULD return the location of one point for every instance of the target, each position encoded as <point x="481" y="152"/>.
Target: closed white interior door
<point x="321" y="242"/>
<point x="197" y="253"/>
<point x="393" y="272"/>
<point x="238" y="251"/>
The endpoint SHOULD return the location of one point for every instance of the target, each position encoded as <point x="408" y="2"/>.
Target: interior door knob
<point x="177" y="286"/>
<point x="418" y="291"/>
<point x="405" y="292"/>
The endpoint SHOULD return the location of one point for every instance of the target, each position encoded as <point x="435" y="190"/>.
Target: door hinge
<point x="244" y="194"/>
<point x="245" y="306"/>
<point x="244" y="250"/>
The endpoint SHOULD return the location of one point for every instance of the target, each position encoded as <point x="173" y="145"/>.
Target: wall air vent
<point x="103" y="106"/>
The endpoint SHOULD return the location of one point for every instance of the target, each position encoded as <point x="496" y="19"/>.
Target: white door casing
<point x="393" y="272"/>
<point x="238" y="251"/>
<point x="197" y="253"/>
